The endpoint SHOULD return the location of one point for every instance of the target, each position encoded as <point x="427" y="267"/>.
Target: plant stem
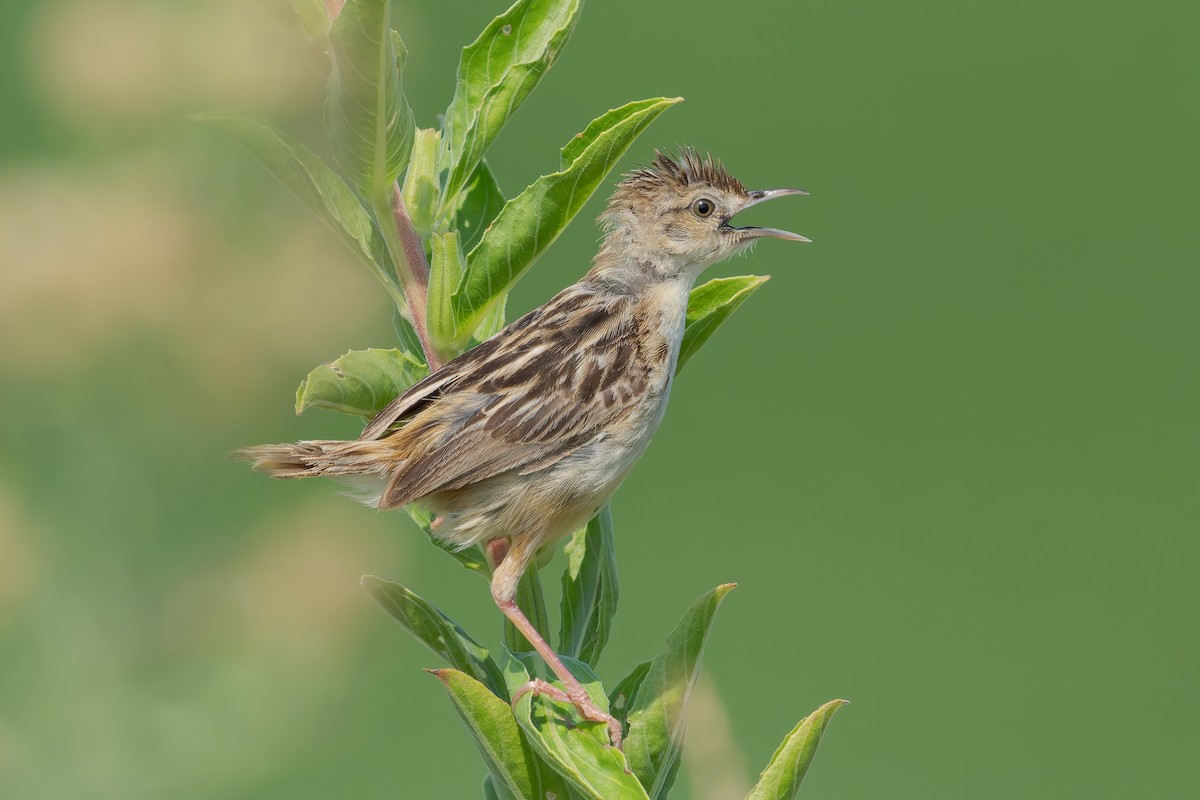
<point x="334" y="7"/>
<point x="408" y="256"/>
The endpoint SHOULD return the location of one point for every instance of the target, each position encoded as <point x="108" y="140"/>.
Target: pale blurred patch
<point x="124" y="63"/>
<point x="85" y="252"/>
<point x="294" y="594"/>
<point x="20" y="565"/>
<point x="199" y="691"/>
<point x="716" y="768"/>
<point x="101" y="253"/>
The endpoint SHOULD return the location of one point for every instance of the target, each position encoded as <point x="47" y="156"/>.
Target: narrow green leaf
<point x="438" y="632"/>
<point x="709" y="306"/>
<point x="625" y="693"/>
<point x="471" y="558"/>
<point x="531" y="221"/>
<point x="496" y="73"/>
<point x="369" y="120"/>
<point x="361" y="382"/>
<point x="445" y="271"/>
<point x="421" y="192"/>
<point x="578" y="751"/>
<point x="511" y="763"/>
<point x="589" y="589"/>
<point x="781" y="779"/>
<point x="656" y="721"/>
<point x="493" y="322"/>
<point x="490" y="792"/>
<point x="306" y="176"/>
<point x="476" y="206"/>
<point x="530" y="600"/>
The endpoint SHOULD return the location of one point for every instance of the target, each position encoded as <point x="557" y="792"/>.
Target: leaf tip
<point x="440" y="674"/>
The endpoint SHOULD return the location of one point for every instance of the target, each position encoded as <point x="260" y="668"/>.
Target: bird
<point x="519" y="441"/>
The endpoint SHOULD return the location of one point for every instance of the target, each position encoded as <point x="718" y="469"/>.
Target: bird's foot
<point x="583" y="704"/>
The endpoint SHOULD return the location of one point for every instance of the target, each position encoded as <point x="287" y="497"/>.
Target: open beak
<point x="761" y="196"/>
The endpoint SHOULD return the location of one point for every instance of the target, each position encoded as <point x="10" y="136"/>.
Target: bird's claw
<point x="583" y="704"/>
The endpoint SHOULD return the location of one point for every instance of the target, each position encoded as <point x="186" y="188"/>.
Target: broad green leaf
<point x="709" y="306"/>
<point x="445" y="271"/>
<point x="490" y="792"/>
<point x="476" y="206"/>
<point x="512" y="766"/>
<point x="361" y="382"/>
<point x="781" y="779"/>
<point x="530" y="600"/>
<point x="496" y="73"/>
<point x="421" y="191"/>
<point x="530" y="222"/>
<point x="437" y="632"/>
<point x="589" y="589"/>
<point x="472" y="558"/>
<point x="579" y="751"/>
<point x="369" y="120"/>
<point x="656" y="721"/>
<point x="317" y="186"/>
<point x="625" y="693"/>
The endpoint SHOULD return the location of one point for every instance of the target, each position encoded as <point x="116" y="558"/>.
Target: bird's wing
<point x="537" y="391"/>
<point x="417" y="397"/>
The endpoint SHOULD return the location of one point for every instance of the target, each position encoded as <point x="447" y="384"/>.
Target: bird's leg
<point x="496" y="550"/>
<point x="504" y="585"/>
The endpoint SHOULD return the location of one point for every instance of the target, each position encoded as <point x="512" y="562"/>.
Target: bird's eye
<point x="703" y="207"/>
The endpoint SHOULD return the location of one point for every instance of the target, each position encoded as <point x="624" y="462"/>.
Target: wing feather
<point x="538" y="391"/>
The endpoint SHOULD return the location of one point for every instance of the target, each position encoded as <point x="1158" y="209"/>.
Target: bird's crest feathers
<point x="678" y="173"/>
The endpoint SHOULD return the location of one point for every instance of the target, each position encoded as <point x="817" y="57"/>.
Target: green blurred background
<point x="949" y="452"/>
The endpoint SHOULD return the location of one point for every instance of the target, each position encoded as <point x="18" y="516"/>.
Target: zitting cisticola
<point x="523" y="438"/>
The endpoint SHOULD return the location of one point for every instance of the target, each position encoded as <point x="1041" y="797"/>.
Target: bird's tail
<point x="334" y="459"/>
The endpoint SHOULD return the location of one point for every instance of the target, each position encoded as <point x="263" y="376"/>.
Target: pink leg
<point x="575" y="693"/>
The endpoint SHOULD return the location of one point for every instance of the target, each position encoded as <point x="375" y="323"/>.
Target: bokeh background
<point x="949" y="452"/>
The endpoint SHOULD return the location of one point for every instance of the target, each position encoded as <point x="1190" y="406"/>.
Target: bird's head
<point x="674" y="215"/>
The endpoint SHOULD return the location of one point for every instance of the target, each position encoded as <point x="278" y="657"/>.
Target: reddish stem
<point x="415" y="277"/>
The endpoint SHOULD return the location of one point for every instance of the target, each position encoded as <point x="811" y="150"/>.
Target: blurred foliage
<point x="951" y="458"/>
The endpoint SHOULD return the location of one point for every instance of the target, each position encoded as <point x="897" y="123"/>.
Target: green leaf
<point x="493" y="322"/>
<point x="361" y="382"/>
<point x="709" y="306"/>
<point x="656" y="721"/>
<point x="531" y="221"/>
<point x="312" y="16"/>
<point x="445" y="271"/>
<point x="477" y="205"/>
<point x="437" y="632"/>
<point x="530" y="600"/>
<point x="421" y="191"/>
<point x="369" y="120"/>
<point x="625" y="693"/>
<point x="316" y="185"/>
<point x="589" y="589"/>
<point x="472" y="558"/>
<point x="496" y="73"/>
<point x="511" y="764"/>
<point x="579" y="752"/>
<point x="781" y="779"/>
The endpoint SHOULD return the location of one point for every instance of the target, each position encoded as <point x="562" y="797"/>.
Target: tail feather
<point x="319" y="458"/>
